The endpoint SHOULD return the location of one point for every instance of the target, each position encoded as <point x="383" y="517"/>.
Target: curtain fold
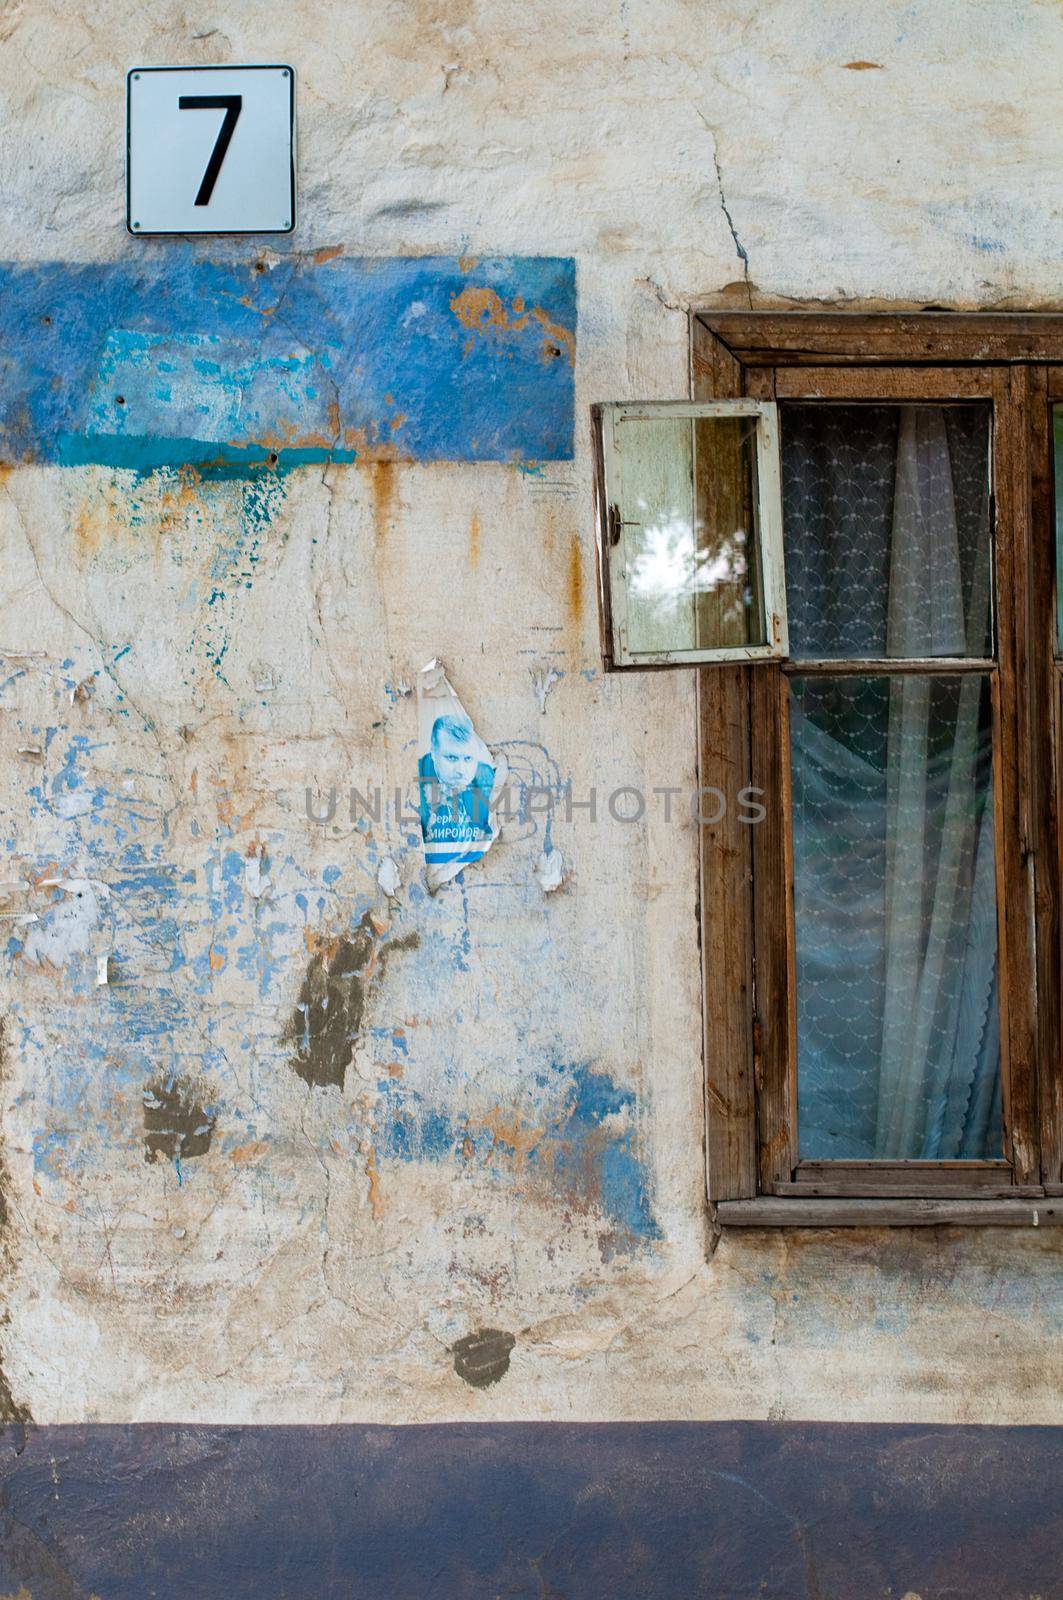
<point x="940" y="926"/>
<point x="929" y="879"/>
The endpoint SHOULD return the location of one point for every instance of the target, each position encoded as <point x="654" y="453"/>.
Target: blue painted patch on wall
<point x="231" y="368"/>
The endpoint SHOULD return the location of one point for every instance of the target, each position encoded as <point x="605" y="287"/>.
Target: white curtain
<point x="940" y="912"/>
<point x="898" y="1049"/>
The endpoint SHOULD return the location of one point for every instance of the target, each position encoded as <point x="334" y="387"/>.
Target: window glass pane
<point x="886" y="524"/>
<point x="895" y="912"/>
<point x="688" y="507"/>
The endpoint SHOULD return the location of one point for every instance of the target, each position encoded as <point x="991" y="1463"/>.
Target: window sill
<point x="771" y="1211"/>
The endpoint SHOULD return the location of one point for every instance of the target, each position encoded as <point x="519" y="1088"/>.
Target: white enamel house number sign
<point x="210" y="150"/>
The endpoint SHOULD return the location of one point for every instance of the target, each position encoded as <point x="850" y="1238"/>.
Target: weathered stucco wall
<point x="370" y="449"/>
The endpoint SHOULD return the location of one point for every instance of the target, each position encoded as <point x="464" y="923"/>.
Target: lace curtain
<point x="889" y="554"/>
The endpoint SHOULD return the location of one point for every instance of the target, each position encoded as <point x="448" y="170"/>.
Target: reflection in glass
<point x="895" y="913"/>
<point x="886" y="517"/>
<point x="689" y="526"/>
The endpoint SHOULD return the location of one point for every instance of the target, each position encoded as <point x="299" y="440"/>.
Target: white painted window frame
<point x="611" y="553"/>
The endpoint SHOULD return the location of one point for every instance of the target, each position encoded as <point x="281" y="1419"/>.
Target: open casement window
<point x="882" y="956"/>
<point x="690" y="532"/>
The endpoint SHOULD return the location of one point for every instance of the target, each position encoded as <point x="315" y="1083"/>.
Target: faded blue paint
<point x="588" y="1158"/>
<point x="991" y="246"/>
<point x="174" y="360"/>
<point x="133" y="1023"/>
<point x="173" y="928"/>
<point x="579" y="1158"/>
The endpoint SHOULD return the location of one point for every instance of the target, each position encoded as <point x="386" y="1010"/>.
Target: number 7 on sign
<point x="230" y="104"/>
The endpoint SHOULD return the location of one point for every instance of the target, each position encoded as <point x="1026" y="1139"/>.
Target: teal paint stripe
<point x="136" y="453"/>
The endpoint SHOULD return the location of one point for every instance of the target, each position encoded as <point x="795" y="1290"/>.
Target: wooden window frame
<point x="746" y="878"/>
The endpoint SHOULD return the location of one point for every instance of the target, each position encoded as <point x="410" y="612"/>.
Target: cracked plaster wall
<point x="196" y="1229"/>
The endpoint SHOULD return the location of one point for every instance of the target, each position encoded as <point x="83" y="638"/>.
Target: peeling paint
<point x="574" y="1141"/>
<point x="389" y="878"/>
<point x="550" y="871"/>
<point x="67" y="928"/>
<point x="543" y="679"/>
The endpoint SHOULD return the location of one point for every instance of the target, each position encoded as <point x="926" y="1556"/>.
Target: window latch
<point x="614" y="525"/>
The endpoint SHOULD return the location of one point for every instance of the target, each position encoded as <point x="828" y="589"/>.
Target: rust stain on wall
<point x="331" y="1007"/>
<point x="383" y="481"/>
<point x="511" y="1131"/>
<point x="474" y="539"/>
<point x="574" y="587"/>
<point x="376" y="1198"/>
<point x="477" y="308"/>
<point x="246" y="1153"/>
<point x="558" y="341"/>
<point x="368" y="446"/>
<point x="480" y="309"/>
<point x="107" y="518"/>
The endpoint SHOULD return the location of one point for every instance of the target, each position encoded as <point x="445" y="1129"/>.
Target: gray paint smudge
<point x="482" y="1358"/>
<point x="331" y="1007"/>
<point x="176" y="1127"/>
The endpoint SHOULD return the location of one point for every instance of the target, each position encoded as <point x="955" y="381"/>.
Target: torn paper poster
<point x="68" y="926"/>
<point x="459" y="781"/>
<point x="543" y="680"/>
<point x="550" y="871"/>
<point x="389" y="878"/>
<point x="256" y="872"/>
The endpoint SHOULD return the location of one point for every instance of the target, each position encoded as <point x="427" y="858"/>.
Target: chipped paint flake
<point x="550" y="871"/>
<point x="66" y="930"/>
<point x="389" y="878"/>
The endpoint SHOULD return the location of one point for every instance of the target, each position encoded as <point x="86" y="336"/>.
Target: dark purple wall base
<point x="537" y="1511"/>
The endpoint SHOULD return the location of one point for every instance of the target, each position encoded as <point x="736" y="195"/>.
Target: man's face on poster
<point x="455" y="761"/>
